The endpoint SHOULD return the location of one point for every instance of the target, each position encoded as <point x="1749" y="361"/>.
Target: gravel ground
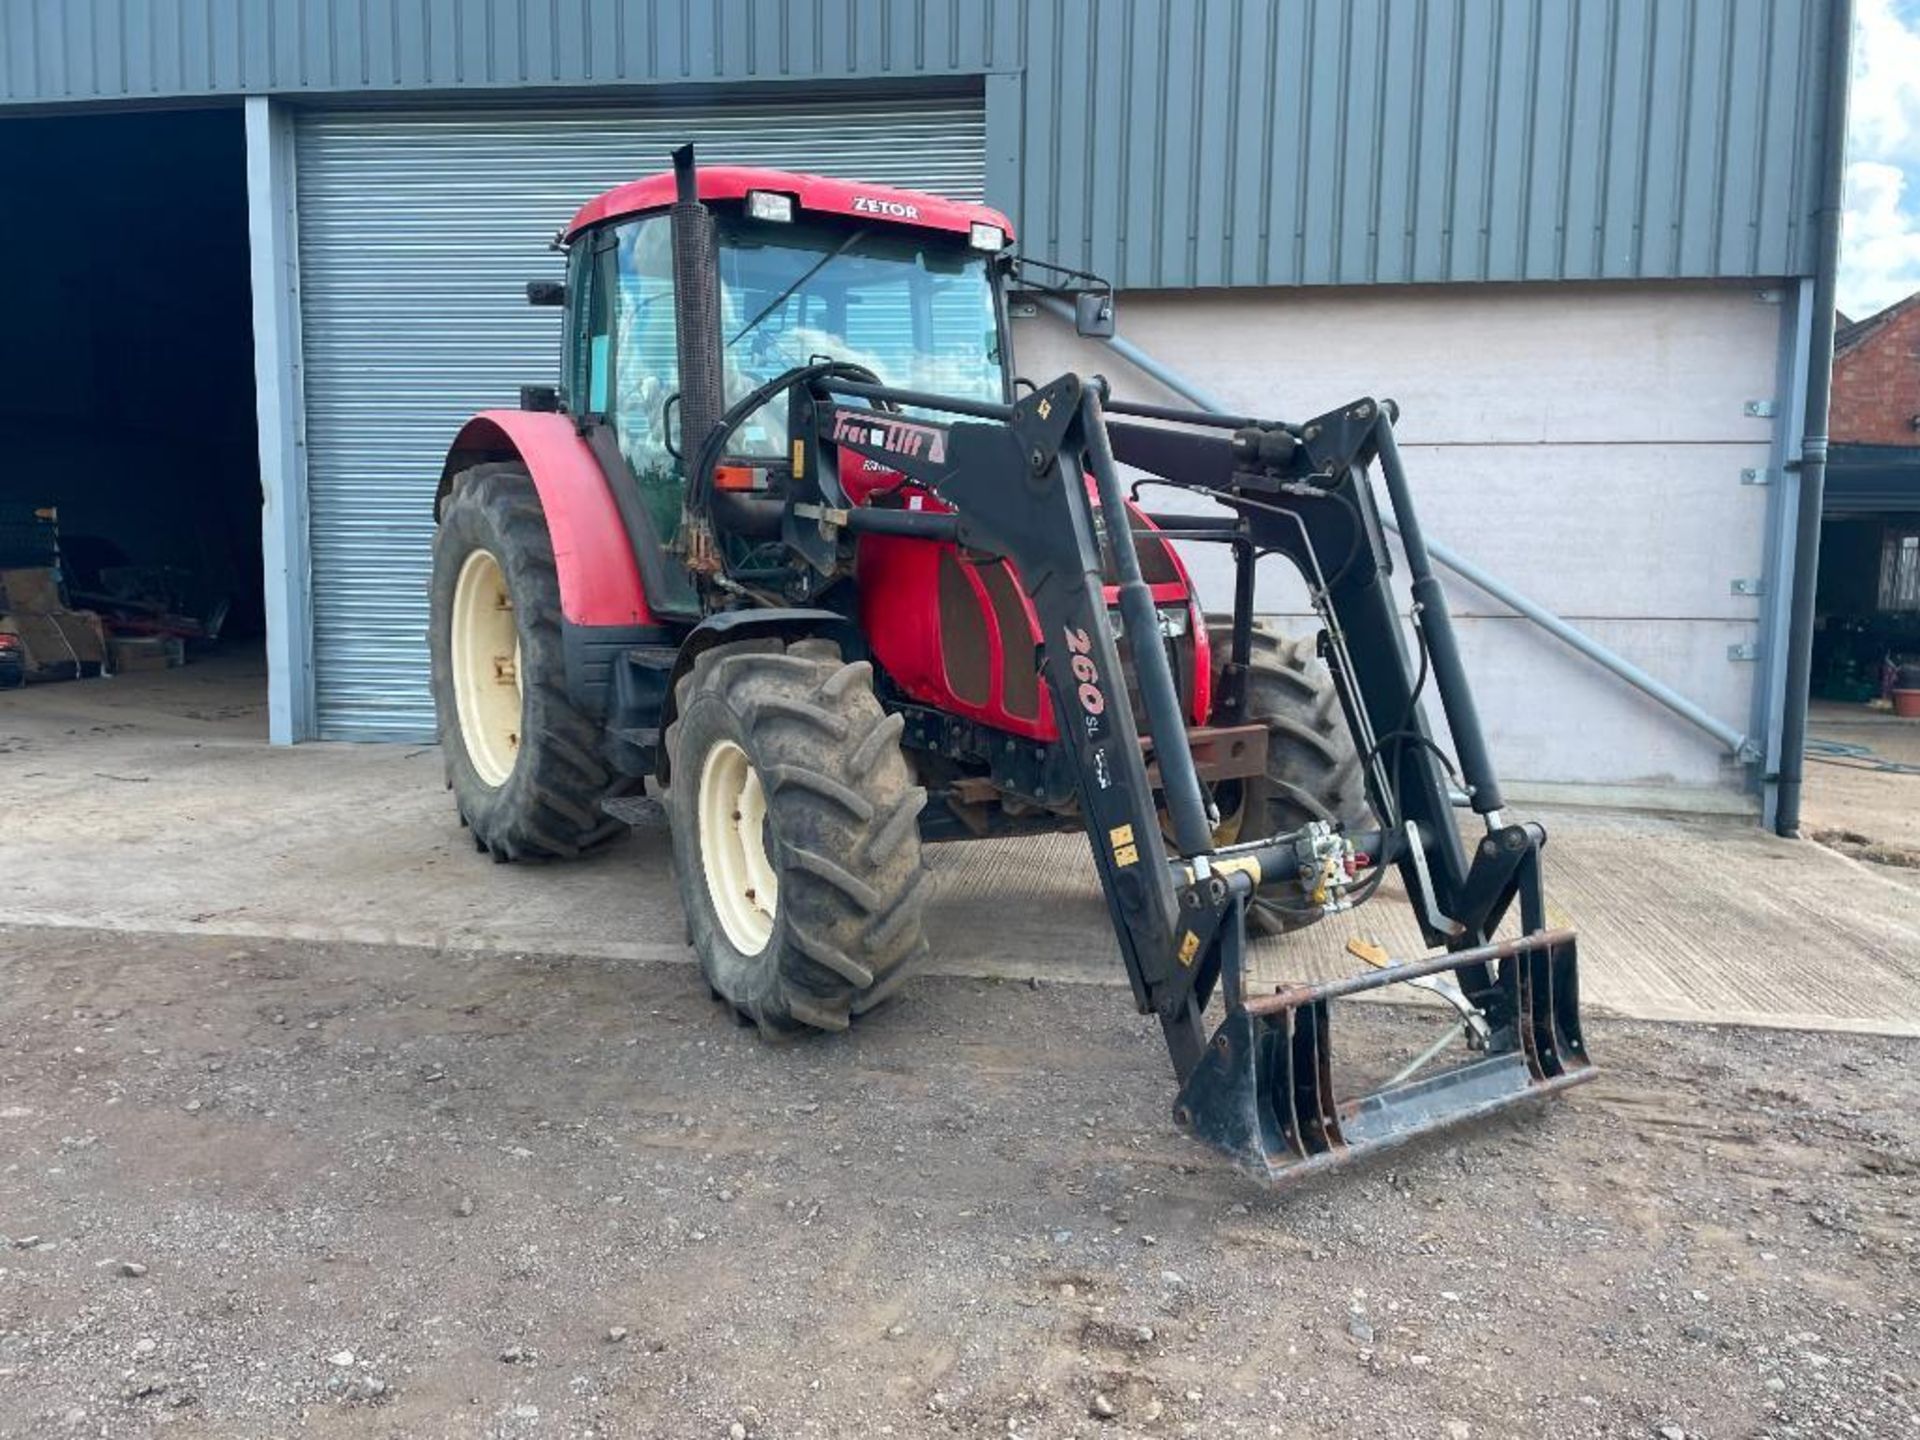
<point x="321" y="1189"/>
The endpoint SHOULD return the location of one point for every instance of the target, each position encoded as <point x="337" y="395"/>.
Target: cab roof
<point x="816" y="193"/>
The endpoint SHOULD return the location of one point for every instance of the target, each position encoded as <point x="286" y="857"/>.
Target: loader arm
<point x="1017" y="479"/>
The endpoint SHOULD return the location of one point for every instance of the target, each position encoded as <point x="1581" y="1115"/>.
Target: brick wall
<point x="1876" y="383"/>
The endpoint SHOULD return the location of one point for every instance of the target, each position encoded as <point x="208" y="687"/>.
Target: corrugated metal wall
<point x="1165" y="143"/>
<point x="1355" y="141"/>
<point x="417" y="234"/>
<point x="88" y="49"/>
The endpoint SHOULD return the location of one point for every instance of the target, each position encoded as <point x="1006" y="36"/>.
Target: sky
<point x="1880" y="238"/>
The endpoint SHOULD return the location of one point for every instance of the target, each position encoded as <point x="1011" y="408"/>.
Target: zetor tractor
<point x="792" y="547"/>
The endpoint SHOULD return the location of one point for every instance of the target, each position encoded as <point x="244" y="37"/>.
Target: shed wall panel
<point x="1167" y="143"/>
<point x="417" y="233"/>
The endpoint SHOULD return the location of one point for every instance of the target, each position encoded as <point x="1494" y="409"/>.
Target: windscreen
<point x="915" y="309"/>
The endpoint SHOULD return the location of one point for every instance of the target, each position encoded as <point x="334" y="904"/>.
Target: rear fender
<point x="731" y="626"/>
<point x="599" y="580"/>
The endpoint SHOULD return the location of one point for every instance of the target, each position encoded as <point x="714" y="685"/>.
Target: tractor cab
<point x="907" y="286"/>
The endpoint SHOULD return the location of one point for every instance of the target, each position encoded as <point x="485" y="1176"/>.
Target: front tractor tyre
<point x="796" y="834"/>
<point x="525" y="766"/>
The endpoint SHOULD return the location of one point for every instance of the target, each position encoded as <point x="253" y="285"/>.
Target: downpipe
<point x="1813" y="445"/>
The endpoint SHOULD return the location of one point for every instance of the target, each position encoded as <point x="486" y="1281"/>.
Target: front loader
<point x="790" y="547"/>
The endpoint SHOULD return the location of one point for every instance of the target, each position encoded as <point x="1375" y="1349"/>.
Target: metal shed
<point x="1298" y="195"/>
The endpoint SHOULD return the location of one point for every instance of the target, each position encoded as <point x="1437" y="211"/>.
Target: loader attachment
<point x="1264" y="1090"/>
<point x="1038" y="483"/>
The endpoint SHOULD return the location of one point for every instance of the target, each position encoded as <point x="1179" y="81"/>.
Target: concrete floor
<point x="1853" y="794"/>
<point x="152" y="803"/>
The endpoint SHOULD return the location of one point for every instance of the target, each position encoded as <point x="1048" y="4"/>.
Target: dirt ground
<point x="299" y="1188"/>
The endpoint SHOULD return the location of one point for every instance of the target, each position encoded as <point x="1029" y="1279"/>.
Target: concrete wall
<point x="1584" y="443"/>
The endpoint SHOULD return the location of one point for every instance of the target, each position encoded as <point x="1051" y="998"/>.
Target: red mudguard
<point x="599" y="582"/>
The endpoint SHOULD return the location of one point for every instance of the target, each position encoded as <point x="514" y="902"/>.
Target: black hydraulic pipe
<point x="1813" y="445"/>
<point x="1436" y="624"/>
<point x="919" y="399"/>
<point x="1245" y="564"/>
<point x="1166" y="520"/>
<point x="1167" y="726"/>
<point x="1179" y="415"/>
<point x="920" y="524"/>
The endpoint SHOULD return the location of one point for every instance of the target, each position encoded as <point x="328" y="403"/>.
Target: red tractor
<point x="792" y="547"/>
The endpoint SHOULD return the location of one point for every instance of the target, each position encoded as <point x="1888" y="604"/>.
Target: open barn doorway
<point x="130" y="537"/>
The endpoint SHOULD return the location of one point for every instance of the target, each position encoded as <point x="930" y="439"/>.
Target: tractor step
<point x="1263" y="1091"/>
<point x="634" y="748"/>
<point x="653" y="657"/>
<point x="635" y="810"/>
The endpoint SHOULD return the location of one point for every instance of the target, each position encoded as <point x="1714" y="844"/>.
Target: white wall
<point x="1582" y="442"/>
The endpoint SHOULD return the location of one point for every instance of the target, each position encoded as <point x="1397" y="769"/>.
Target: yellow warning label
<point x="1189" y="947"/>
<point x="1125" y="852"/>
<point x="1044" y="408"/>
<point x="1363" y="949"/>
<point x="799" y="458"/>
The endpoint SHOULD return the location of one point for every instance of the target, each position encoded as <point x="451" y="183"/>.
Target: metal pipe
<point x="1179" y="780"/>
<point x="920" y="399"/>
<point x="1658" y="690"/>
<point x="1813" y="445"/>
<point x="917" y="524"/>
<point x="1663" y="694"/>
<point x="1176" y="414"/>
<point x="696" y="291"/>
<point x="1292" y="997"/>
<point x="1435" y="620"/>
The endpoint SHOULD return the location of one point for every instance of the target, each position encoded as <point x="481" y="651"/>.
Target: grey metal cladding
<point x="1327" y="142"/>
<point x="1167" y="143"/>
<point x="91" y="49"/>
<point x="418" y="230"/>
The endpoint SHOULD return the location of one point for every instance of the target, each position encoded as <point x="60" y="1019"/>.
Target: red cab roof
<point x="813" y="192"/>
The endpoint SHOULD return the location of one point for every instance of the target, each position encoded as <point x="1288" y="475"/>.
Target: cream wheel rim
<point x="733" y="848"/>
<point x="485" y="650"/>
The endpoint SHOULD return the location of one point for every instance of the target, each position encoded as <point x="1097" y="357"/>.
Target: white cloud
<point x="1880" y="246"/>
<point x="1885" y="118"/>
<point x="1880" y="243"/>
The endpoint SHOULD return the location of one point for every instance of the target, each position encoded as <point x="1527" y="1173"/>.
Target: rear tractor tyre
<point x="526" y="767"/>
<point x="796" y="834"/>
<point x="1313" y="768"/>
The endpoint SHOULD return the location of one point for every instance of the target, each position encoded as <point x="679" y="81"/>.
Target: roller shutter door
<point x="417" y="233"/>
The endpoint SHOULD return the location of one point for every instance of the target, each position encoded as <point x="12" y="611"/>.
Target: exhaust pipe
<point x="696" y="287"/>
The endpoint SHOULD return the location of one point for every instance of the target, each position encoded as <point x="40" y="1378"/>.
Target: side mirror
<point x="1093" y="315"/>
<point x="546" y="292"/>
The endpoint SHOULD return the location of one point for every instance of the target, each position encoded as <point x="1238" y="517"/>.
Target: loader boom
<point x="1262" y="1086"/>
